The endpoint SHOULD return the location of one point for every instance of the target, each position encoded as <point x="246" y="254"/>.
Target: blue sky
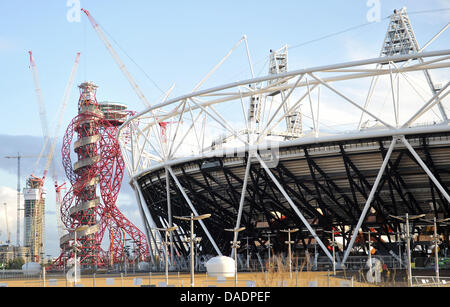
<point x="171" y="41"/>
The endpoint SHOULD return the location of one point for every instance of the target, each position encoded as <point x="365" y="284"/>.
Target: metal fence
<point x="304" y="272"/>
<point x="270" y="278"/>
<point x="178" y="279"/>
<point x="430" y="281"/>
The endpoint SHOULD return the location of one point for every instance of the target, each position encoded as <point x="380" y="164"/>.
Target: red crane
<point x="163" y="126"/>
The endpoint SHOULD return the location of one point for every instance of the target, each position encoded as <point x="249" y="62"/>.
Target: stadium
<point x="241" y="152"/>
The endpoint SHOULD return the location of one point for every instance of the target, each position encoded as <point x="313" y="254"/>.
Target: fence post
<point x="43" y="275"/>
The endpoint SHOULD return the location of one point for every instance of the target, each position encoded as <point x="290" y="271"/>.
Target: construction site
<point x="237" y="185"/>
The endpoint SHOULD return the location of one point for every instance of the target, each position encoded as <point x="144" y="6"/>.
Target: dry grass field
<point x="278" y="276"/>
<point x="267" y="279"/>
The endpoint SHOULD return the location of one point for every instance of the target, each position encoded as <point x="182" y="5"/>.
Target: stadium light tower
<point x="289" y="242"/>
<point x="436" y="243"/>
<point x="400" y="40"/>
<point x="235" y="245"/>
<point x="191" y="240"/>
<point x="166" y="250"/>
<point x="333" y="244"/>
<point x="406" y="219"/>
<point x="369" y="251"/>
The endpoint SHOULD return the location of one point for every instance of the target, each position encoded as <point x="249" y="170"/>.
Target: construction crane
<point x="59" y="189"/>
<point x="61" y="116"/>
<point x="44" y="124"/>
<point x="117" y="59"/>
<point x="41" y="105"/>
<point x="7" y="225"/>
<point x="43" y="115"/>
<point x="163" y="126"/>
<point x="124" y="70"/>
<point x="18" y="157"/>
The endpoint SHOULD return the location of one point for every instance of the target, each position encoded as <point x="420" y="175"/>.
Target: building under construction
<point x="34" y="218"/>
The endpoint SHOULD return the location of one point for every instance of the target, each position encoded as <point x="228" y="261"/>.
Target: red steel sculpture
<point x="99" y="163"/>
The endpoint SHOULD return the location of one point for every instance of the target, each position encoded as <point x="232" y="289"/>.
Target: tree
<point x="15" y="264"/>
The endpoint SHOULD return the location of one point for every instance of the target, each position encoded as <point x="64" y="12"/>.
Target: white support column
<point x="133" y="167"/>
<point x="431" y="103"/>
<point x="241" y="203"/>
<point x="161" y="153"/>
<point x="294" y="207"/>
<point x="373" y="84"/>
<point x="248" y="56"/>
<point x="219" y="64"/>
<point x="221" y="121"/>
<point x="169" y="213"/>
<point x="194" y="121"/>
<point x="269" y="129"/>
<point x="174" y="137"/>
<point x="311" y="107"/>
<point x="141" y="211"/>
<point x="351" y="101"/>
<point x="285" y="99"/>
<point x="370" y="198"/>
<point x="180" y="187"/>
<point x="425" y="168"/>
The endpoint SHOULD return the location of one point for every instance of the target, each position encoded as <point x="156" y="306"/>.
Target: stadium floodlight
<point x="235" y="245"/>
<point x="289" y="242"/>
<point x="333" y="244"/>
<point x="406" y="219"/>
<point x="192" y="240"/>
<point x="193" y="218"/>
<point x="166" y="250"/>
<point x="436" y="244"/>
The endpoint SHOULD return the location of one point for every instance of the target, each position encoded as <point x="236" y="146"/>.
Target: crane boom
<point x="117" y="58"/>
<point x="61" y="116"/>
<point x="60" y="225"/>
<point x="58" y="187"/>
<point x="41" y="106"/>
<point x="52" y="146"/>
